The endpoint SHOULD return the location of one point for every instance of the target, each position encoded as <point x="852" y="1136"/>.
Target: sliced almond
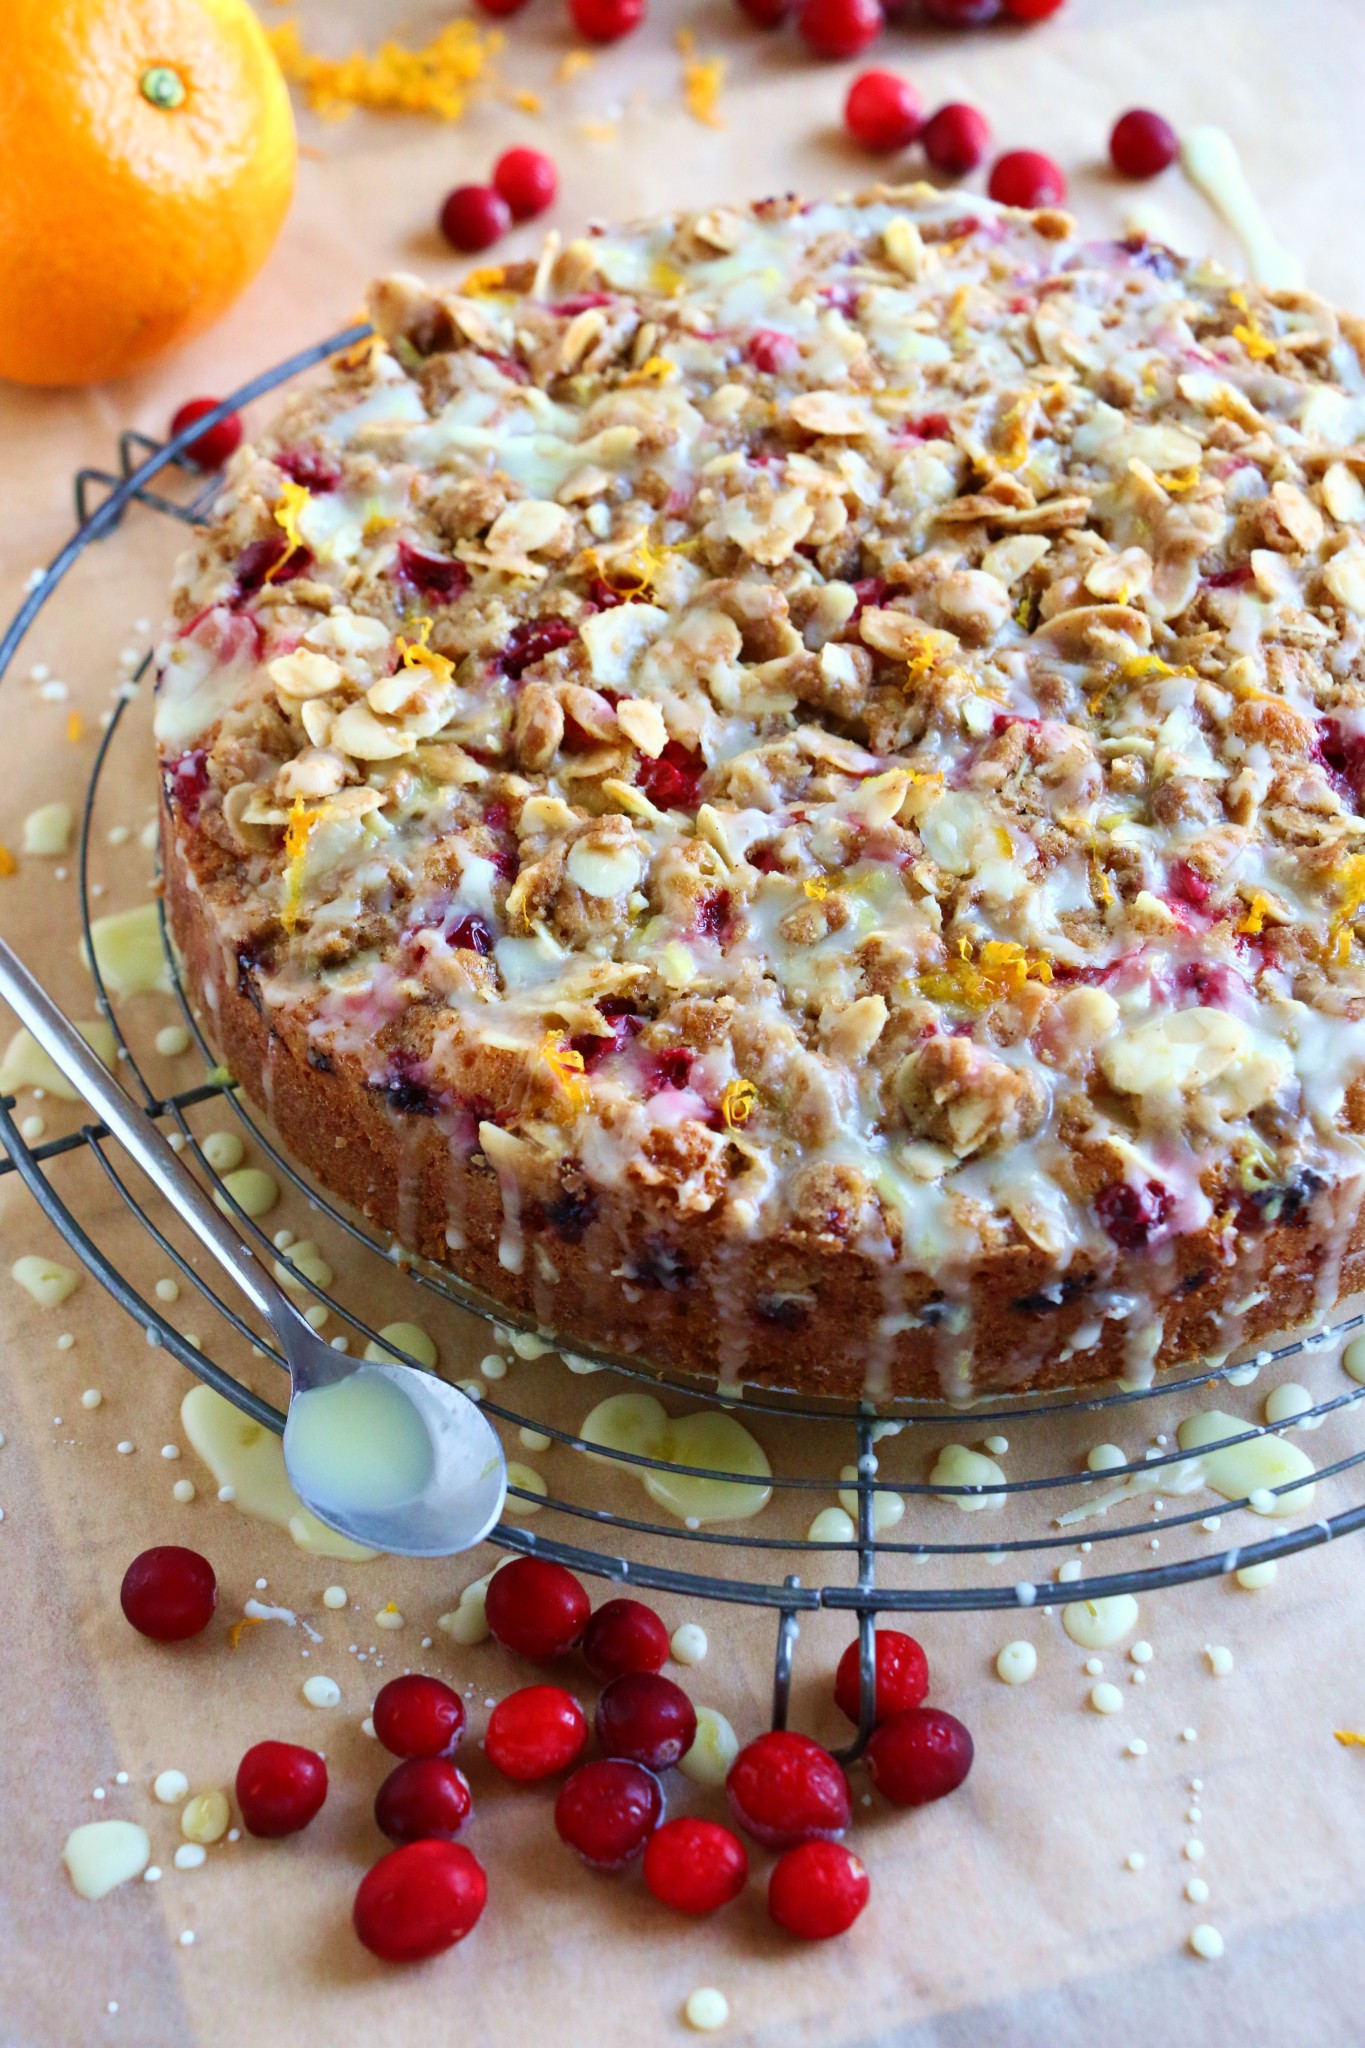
<point x="529" y="527"/>
<point x="606" y="871"/>
<point x="317" y="772"/>
<point x="877" y="800"/>
<point x="318" y="717"/>
<point x="831" y="412"/>
<point x="642" y="722"/>
<point x="615" y="639"/>
<point x="361" y="735"/>
<point x="903" y="247"/>
<point x="1013" y="557"/>
<point x="544" y="814"/>
<point x="303" y="674"/>
<point x="856" y="1030"/>
<point x="1344" y="495"/>
<point x="1176" y="1053"/>
<point x="1344" y="577"/>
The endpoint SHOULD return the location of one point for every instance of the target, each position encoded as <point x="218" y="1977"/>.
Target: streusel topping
<point x="847" y="717"/>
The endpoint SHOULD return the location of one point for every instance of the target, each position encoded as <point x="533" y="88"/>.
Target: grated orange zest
<point x="703" y="80"/>
<point x="8" y="864"/>
<point x="416" y="653"/>
<point x="572" y="65"/>
<point x="435" y="79"/>
<point x="1348" y="1738"/>
<point x="1253" y="924"/>
<point x="974" y="981"/>
<point x="239" y="1629"/>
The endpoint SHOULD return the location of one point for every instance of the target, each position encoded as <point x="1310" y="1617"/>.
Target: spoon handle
<point x="136" y="1131"/>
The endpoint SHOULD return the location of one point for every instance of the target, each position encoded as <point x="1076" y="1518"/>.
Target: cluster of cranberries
<point x="785" y="1791"/>
<point x="473" y="217"/>
<point x="884" y="113"/>
<point x="845" y="28"/>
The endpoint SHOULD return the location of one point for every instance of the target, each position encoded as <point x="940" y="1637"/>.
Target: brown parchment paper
<point x="1005" y="1914"/>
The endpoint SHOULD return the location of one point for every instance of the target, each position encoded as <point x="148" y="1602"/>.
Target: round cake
<point x="781" y="788"/>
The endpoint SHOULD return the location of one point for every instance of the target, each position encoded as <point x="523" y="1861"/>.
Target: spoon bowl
<point x="389" y="1455"/>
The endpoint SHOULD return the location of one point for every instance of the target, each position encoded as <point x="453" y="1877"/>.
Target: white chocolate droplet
<point x="321" y="1692"/>
<point x="688" y="1643"/>
<point x="1100" y="1624"/>
<point x="105" y="1853"/>
<point x="1017" y="1663"/>
<point x="706" y="2010"/>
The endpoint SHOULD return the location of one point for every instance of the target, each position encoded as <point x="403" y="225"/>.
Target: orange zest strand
<point x="289" y="507"/>
<point x="737" y="1102"/>
<point x="567" y="1066"/>
<point x="8" y="864"/>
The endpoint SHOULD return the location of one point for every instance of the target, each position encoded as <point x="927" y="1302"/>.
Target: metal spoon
<point x="386" y="1454"/>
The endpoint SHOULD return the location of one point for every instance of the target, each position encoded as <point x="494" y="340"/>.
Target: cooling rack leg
<point x="788" y="1629"/>
<point x="867" y="1582"/>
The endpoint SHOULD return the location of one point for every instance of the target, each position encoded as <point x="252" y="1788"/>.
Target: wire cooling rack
<point x="1051" y="1531"/>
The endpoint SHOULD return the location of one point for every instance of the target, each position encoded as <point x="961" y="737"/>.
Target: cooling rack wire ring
<point x="1026" y="1560"/>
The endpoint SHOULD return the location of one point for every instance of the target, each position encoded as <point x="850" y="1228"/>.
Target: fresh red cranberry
<point x="919" y="1755"/>
<point x="695" y="1866"/>
<point x="500" y="8"/>
<point x="1033" y="10"/>
<point x="625" y="1024"/>
<point x="1132" y="1215"/>
<point x="902" y="1676"/>
<point x="841" y="28"/>
<point x="1025" y="177"/>
<point x="769" y="13"/>
<point x="438" y="576"/>
<point x="962" y="13"/>
<point x="531" y="641"/>
<point x="606" y="21"/>
<point x="280" y="1787"/>
<point x="646" y="1719"/>
<point x="1143" y="144"/>
<point x="785" y="1789"/>
<point x="669" y="1068"/>
<point x="418" y="1716"/>
<point x="471" y="934"/>
<point x="883" y="111"/>
<point x="419" y="1900"/>
<point x="472" y="218"/>
<point x="309" y="467"/>
<point x="672" y="781"/>
<point x="527" y="180"/>
<point x="956" y="139"/>
<point x="772" y="354"/>
<point x="169" y="1593"/>
<point x="1187" y="885"/>
<point x="188" y="780"/>
<point x="713" y="914"/>
<point x="608" y="1811"/>
<point x="624" y="1635"/>
<point x="817" y="1890"/>
<point x="270" y="557"/>
<point x="536" y="1608"/>
<point x="211" y="449"/>
<point x="534" y="1733"/>
<point x="423" y="1799"/>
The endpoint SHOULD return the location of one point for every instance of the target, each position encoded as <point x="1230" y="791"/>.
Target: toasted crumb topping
<point x="847" y="718"/>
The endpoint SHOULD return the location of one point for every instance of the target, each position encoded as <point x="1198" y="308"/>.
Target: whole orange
<point x="146" y="163"/>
